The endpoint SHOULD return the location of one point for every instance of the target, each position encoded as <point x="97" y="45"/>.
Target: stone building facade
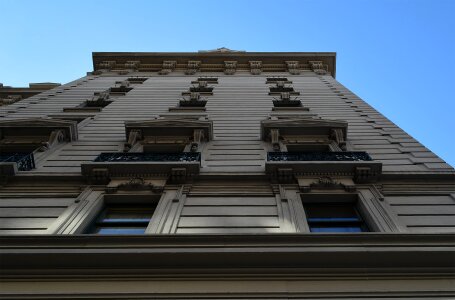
<point x="218" y="175"/>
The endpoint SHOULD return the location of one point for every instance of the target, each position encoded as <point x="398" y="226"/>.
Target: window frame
<point x="367" y="203"/>
<point x="331" y="222"/>
<point x="91" y="203"/>
<point x="101" y="222"/>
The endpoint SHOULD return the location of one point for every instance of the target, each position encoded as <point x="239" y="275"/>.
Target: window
<point x="95" y="104"/>
<point x="334" y="217"/>
<point x="122" y="219"/>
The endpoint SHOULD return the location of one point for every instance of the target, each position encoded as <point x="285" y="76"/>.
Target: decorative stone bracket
<point x="107" y="64"/>
<point x="318" y="67"/>
<point x="306" y="129"/>
<point x="168" y="67"/>
<point x="133" y="137"/>
<point x="356" y="171"/>
<point x="103" y="172"/>
<point x="336" y="139"/>
<point x="132" y="64"/>
<point x="230" y="67"/>
<point x="293" y="67"/>
<point x="192" y="67"/>
<point x="255" y="67"/>
<point x="337" y="135"/>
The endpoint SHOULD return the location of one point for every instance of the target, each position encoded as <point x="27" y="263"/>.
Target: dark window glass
<point x="328" y="217"/>
<point x="123" y="219"/>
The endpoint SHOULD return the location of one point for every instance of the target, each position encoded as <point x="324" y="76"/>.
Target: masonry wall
<point x="238" y="105"/>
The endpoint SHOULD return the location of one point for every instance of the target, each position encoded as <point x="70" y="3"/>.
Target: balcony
<point x="174" y="165"/>
<point x="24" y="161"/>
<point x="149" y="157"/>
<point x="192" y="103"/>
<point x="318" y="156"/>
<point x="359" y="165"/>
<point x="287" y="103"/>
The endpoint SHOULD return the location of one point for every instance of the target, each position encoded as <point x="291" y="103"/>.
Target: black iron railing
<point x="287" y="103"/>
<point x="197" y="89"/>
<point x="24" y="161"/>
<point x="149" y="157"/>
<point x="192" y="103"/>
<point x="318" y="156"/>
<point x="281" y="89"/>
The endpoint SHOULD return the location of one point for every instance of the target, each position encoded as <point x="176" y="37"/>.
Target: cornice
<point x="322" y="253"/>
<point x="213" y="61"/>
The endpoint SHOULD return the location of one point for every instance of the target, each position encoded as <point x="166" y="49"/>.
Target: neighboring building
<point x="218" y="175"/>
<point x="10" y="95"/>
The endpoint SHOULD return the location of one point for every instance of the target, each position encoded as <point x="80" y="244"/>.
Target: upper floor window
<point x="122" y="219"/>
<point x="334" y="217"/>
<point x="24" y="141"/>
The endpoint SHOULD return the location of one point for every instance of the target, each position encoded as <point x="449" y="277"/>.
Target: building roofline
<point x="213" y="57"/>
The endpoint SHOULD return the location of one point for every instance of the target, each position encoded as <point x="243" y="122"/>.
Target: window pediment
<point x="37" y="127"/>
<point x="296" y="126"/>
<point x="168" y="131"/>
<point x="170" y="127"/>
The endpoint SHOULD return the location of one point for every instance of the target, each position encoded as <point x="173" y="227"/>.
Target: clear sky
<point x="398" y="55"/>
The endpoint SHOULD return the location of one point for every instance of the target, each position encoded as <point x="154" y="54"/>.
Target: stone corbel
<point x="285" y="96"/>
<point x="255" y="67"/>
<point x="133" y="137"/>
<point x="325" y="183"/>
<point x="57" y="136"/>
<point x="285" y="175"/>
<point x="99" y="176"/>
<point x="337" y="135"/>
<point x="168" y="67"/>
<point x="132" y="64"/>
<point x="318" y="67"/>
<point x="192" y="67"/>
<point x="293" y="67"/>
<point x="178" y="175"/>
<point x="230" y="67"/>
<point x="365" y="175"/>
<point x="198" y="136"/>
<point x="202" y="84"/>
<point x="107" y="64"/>
<point x="275" y="139"/>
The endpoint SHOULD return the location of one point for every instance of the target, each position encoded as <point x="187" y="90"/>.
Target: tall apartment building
<point x="218" y="175"/>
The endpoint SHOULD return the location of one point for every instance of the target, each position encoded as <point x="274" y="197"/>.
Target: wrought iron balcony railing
<point x="287" y="103"/>
<point x="318" y="156"/>
<point x="192" y="103"/>
<point x="24" y="161"/>
<point x="149" y="157"/>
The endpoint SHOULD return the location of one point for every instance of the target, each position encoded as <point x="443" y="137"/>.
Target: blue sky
<point x="398" y="55"/>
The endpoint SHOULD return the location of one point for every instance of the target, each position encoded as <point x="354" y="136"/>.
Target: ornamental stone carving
<point x="255" y="67"/>
<point x="293" y="67"/>
<point x="192" y="67"/>
<point x="230" y="67"/>
<point x="168" y="67"/>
